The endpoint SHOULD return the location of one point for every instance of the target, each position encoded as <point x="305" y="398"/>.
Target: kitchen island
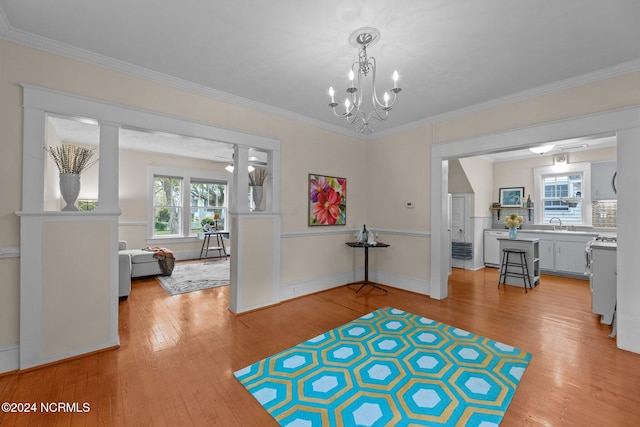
<point x="561" y="251"/>
<point x="531" y="247"/>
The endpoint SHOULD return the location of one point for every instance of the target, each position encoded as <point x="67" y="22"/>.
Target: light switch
<point x="409" y="205"/>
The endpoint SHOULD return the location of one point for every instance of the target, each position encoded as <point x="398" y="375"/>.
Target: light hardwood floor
<point x="178" y="354"/>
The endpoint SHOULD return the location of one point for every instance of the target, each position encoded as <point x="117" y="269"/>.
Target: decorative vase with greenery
<point x="71" y="161"/>
<point x="257" y="177"/>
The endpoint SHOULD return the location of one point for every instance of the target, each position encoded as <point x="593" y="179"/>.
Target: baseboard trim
<point x="67" y="359"/>
<point x="9" y="358"/>
<point x="399" y="281"/>
<point x="308" y="287"/>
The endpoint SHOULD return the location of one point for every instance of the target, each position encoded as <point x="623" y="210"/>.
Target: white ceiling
<point x="281" y="56"/>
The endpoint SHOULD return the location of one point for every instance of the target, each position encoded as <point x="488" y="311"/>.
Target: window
<point x="167" y="205"/>
<point x="208" y="201"/>
<point x="87" y="205"/>
<point x="182" y="200"/>
<point x="563" y="198"/>
<point x="563" y="191"/>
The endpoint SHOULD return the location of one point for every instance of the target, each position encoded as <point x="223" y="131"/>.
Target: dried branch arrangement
<point x="257" y="176"/>
<point x="72" y="159"/>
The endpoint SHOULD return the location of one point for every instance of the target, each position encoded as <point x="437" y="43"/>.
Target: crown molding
<point x="51" y="46"/>
<point x="603" y="74"/>
<point x="62" y="49"/>
<point x="4" y="23"/>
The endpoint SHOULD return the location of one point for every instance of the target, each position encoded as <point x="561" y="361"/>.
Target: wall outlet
<point x="409" y="204"/>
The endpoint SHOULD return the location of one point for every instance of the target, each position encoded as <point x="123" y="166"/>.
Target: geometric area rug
<point x="196" y="276"/>
<point x="388" y="368"/>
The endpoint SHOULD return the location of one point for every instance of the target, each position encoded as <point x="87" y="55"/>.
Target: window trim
<point x="187" y="176"/>
<point x="224" y="208"/>
<point x="180" y="207"/>
<point x="563" y="169"/>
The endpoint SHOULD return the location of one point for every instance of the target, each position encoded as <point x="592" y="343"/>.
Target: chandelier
<point x="354" y="113"/>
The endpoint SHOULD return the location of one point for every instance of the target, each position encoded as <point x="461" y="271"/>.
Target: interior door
<point x="458" y="224"/>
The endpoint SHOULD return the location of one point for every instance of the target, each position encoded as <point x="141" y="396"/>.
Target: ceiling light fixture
<point x="354" y="114"/>
<point x="542" y="149"/>
<point x="230" y="168"/>
<point x="253" y="160"/>
<point x="573" y="147"/>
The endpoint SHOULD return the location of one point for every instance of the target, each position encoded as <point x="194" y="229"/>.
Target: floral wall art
<point x="327" y="200"/>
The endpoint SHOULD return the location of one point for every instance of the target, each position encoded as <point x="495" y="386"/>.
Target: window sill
<point x="171" y="239"/>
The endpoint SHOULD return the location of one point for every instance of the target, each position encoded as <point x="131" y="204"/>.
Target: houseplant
<point x="210" y="224"/>
<point x="513" y="221"/>
<point x="257" y="177"/>
<point x="71" y="161"/>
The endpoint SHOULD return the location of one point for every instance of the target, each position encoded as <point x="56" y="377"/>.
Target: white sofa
<point x="124" y="275"/>
<point x="143" y="262"/>
<point x="134" y="263"/>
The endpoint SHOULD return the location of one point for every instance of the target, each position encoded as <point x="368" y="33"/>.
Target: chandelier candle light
<point x="354" y="113"/>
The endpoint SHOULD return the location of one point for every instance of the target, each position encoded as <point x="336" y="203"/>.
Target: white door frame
<point x="626" y="124"/>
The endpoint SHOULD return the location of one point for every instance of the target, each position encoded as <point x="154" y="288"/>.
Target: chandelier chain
<point x="363" y="60"/>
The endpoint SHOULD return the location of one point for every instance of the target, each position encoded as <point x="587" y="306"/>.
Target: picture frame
<point x="511" y="197"/>
<point x="327" y="200"/>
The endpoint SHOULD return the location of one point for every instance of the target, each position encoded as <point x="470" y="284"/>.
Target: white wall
<point x="479" y="171"/>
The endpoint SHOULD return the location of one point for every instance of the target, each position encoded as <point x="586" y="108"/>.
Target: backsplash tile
<point x="604" y="214"/>
<point x="504" y="212"/>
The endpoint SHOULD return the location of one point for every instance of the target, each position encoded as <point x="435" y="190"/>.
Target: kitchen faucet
<point x="559" y="220"/>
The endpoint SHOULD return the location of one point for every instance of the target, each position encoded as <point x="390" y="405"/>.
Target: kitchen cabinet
<point x="547" y="253"/>
<point x="492" y="247"/>
<point x="603" y="282"/>
<point x="562" y="252"/>
<point x="570" y="256"/>
<point x="603" y="181"/>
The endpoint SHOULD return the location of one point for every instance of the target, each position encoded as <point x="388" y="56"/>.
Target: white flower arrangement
<point x="513" y="220"/>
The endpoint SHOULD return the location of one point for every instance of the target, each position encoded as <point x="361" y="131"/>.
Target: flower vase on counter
<point x="513" y="221"/>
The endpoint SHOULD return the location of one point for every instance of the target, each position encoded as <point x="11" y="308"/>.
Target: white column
<point x="108" y="173"/>
<point x="628" y="291"/>
<point x="273" y="195"/>
<point x="439" y="246"/>
<point x="34" y="128"/>
<point x="238" y="202"/>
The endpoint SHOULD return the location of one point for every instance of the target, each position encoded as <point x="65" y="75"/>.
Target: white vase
<point x="70" y="188"/>
<point x="257" y="197"/>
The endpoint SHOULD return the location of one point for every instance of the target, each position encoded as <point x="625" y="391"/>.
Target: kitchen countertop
<point x="604" y="245"/>
<point x="520" y="239"/>
<point x="562" y="232"/>
<point x="556" y="232"/>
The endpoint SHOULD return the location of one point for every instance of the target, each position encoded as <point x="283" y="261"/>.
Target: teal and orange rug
<point x="389" y="368"/>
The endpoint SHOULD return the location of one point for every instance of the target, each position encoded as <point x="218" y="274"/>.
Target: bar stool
<point x="520" y="262"/>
